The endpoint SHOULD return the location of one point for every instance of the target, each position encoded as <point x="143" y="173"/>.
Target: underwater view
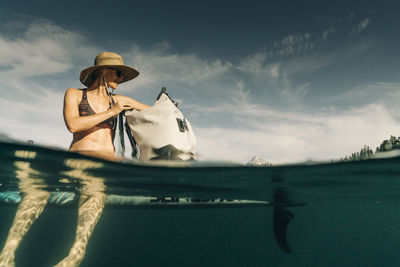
<point x="201" y="213"/>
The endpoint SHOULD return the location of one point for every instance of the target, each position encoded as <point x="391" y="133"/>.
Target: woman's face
<point x="112" y="78"/>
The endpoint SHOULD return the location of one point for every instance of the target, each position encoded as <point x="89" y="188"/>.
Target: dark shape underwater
<point x="281" y="220"/>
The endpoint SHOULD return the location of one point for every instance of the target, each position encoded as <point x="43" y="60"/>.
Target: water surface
<point x="331" y="214"/>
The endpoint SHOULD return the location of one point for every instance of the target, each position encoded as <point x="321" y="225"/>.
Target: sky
<point x="286" y="81"/>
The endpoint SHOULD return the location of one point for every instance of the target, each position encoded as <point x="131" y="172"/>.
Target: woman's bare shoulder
<point x="73" y="91"/>
<point x="70" y="92"/>
<point x="73" y="94"/>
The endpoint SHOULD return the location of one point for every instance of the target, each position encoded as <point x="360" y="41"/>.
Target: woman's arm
<point x="76" y="123"/>
<point x="131" y="102"/>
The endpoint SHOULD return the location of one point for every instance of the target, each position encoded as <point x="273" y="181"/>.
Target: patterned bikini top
<point x="85" y="110"/>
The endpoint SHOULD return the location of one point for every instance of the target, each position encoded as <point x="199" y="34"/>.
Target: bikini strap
<point x="84" y="94"/>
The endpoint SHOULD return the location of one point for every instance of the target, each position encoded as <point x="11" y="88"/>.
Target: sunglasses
<point x="119" y="74"/>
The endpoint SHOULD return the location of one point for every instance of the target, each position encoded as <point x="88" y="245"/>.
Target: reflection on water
<point x="31" y="206"/>
<point x="91" y="204"/>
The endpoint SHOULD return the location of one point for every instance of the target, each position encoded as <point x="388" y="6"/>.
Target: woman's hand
<point x="130" y="102"/>
<point x="120" y="106"/>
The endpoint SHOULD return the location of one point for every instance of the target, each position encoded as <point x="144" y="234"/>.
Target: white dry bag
<point x="162" y="132"/>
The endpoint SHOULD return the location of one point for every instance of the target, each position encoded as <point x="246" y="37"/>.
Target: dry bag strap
<point x="121" y="124"/>
<point x="121" y="131"/>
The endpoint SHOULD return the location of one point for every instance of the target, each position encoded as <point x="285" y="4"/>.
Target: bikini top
<point x="85" y="110"/>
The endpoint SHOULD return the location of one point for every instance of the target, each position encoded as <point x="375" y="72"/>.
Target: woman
<point x="90" y="114"/>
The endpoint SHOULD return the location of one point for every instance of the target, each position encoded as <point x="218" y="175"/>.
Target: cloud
<point x="42" y="49"/>
<point x="361" y="26"/>
<point x="297" y="92"/>
<point x="257" y="65"/>
<point x="295" y="44"/>
<point x="158" y="65"/>
<point x="384" y="93"/>
<point x="238" y="110"/>
<point x="35" y="116"/>
<point x="298" y="134"/>
<point x="375" y="90"/>
<point x="295" y="39"/>
<point x="292" y="137"/>
<point x="276" y="76"/>
<point x="327" y="33"/>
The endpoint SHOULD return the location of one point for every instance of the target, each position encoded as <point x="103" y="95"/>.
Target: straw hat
<point x="107" y="60"/>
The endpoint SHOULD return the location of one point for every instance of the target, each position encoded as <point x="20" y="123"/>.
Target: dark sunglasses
<point x="119" y="73"/>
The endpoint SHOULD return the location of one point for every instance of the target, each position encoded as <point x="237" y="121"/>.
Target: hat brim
<point x="128" y="73"/>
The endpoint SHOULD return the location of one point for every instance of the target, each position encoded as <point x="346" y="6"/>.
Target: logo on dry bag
<point x="182" y="125"/>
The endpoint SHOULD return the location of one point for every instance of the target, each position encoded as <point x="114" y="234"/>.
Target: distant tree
<point x="390" y="144"/>
<point x="366" y="152"/>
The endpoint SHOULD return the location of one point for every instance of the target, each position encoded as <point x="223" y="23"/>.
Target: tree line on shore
<point x="366" y="152"/>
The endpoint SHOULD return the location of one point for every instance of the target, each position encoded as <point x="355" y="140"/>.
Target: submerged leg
<point x="91" y="205"/>
<point x="90" y="210"/>
<point x="29" y="209"/>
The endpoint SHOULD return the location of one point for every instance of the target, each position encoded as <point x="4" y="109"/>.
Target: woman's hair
<point x="91" y="79"/>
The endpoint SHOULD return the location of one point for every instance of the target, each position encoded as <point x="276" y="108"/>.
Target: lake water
<point x="205" y="214"/>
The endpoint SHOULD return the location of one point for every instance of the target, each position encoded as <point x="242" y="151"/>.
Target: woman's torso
<point x="98" y="138"/>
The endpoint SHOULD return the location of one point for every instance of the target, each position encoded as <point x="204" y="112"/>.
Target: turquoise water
<point x="206" y="214"/>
